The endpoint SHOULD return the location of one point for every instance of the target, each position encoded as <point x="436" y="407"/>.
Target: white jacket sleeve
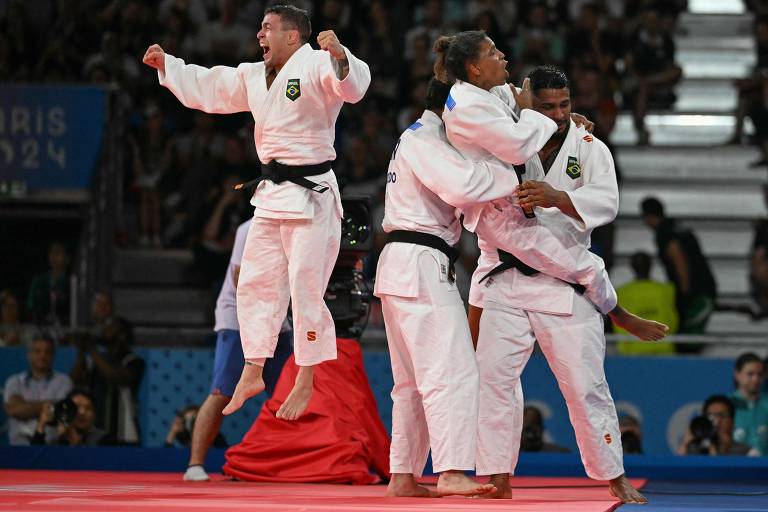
<point x="355" y="84"/>
<point x="216" y="90"/>
<point x="487" y="125"/>
<point x="456" y="180"/>
<point x="547" y="244"/>
<point x="597" y="200"/>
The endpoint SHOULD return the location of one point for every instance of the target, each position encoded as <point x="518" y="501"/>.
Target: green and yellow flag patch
<point x="573" y="169"/>
<point x="293" y="89"/>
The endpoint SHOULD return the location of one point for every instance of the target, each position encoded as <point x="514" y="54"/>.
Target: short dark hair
<point x="44" y="339"/>
<point x="641" y="264"/>
<point x="294" y="18"/>
<point x="652" y="206"/>
<point x="745" y="359"/>
<point x="455" y="51"/>
<point x="437" y="93"/>
<point x="548" y="77"/>
<point x="719" y="399"/>
<point x="80" y="391"/>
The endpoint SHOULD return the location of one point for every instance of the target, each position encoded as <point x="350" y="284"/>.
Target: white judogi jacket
<point x="488" y="125"/>
<point x="427" y="180"/>
<point x="294" y="119"/>
<point x="584" y="169"/>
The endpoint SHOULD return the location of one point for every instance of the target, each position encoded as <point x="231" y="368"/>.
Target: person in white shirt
<point x="295" y="96"/>
<point x="27" y="393"/>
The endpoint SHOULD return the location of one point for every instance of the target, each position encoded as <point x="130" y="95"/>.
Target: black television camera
<point x="347" y="296"/>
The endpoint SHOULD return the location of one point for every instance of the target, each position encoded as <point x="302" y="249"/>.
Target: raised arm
<point x="216" y="90"/>
<point x="343" y="75"/>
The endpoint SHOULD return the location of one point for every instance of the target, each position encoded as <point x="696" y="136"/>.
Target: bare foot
<point x="647" y="330"/>
<point x="403" y="485"/>
<point x="622" y="489"/>
<point x="457" y="483"/>
<point x="503" y="489"/>
<point x="250" y="384"/>
<point x="298" y="398"/>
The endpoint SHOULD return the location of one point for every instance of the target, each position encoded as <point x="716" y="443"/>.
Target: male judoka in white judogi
<point x="520" y="308"/>
<point x="427" y="332"/>
<point x="295" y="96"/>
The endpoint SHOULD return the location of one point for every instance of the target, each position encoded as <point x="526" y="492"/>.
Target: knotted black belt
<point x="433" y="241"/>
<point x="276" y="172"/>
<point x="509" y="261"/>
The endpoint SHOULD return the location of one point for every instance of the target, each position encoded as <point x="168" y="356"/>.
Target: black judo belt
<point x="510" y="261"/>
<point x="276" y="172"/>
<point x="433" y="241"/>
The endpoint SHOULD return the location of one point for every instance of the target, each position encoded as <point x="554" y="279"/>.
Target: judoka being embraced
<point x="295" y="96"/>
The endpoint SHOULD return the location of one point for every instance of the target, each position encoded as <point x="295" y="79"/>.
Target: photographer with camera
<point x="182" y="427"/>
<point x="29" y="392"/>
<point x="111" y="371"/>
<point x="712" y="432"/>
<point x="73" y="421"/>
<point x="533" y="437"/>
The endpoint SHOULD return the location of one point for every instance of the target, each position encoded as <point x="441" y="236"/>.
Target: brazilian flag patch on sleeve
<point x="573" y="170"/>
<point x="293" y="89"/>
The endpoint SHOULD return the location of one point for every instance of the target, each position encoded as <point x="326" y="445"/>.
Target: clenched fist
<point x="328" y="41"/>
<point x="155" y="57"/>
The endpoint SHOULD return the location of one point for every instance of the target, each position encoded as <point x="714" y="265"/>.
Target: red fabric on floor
<point x="339" y="439"/>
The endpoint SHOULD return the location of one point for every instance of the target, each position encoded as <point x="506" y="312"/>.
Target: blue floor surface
<point x="669" y="496"/>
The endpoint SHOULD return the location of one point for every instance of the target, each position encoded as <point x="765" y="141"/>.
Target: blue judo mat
<point x="671" y="496"/>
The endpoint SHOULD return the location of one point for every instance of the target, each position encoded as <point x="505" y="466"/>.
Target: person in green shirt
<point x="649" y="299"/>
<point x="751" y="420"/>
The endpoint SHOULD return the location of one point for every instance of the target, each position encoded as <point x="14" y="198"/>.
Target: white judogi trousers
<point x="435" y="373"/>
<point x="574" y="346"/>
<point x="284" y="260"/>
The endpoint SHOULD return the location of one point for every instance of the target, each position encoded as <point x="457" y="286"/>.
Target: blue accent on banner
<point x="663" y="393"/>
<point x="450" y="102"/>
<point x="50" y="137"/>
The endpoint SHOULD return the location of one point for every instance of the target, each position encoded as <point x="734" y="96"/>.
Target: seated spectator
<point x="751" y="419"/>
<point x="534" y="437"/>
<point x="712" y="433"/>
<point x="651" y="71"/>
<point x="48" y="300"/>
<point x="28" y="393"/>
<point x="12" y="332"/>
<point x="108" y="368"/>
<point x="686" y="267"/>
<point x="71" y="421"/>
<point x="650" y="299"/>
<point x="182" y="426"/>
<point x="631" y="435"/>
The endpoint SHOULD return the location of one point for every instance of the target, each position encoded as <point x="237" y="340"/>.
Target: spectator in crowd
<point x="649" y="299"/>
<point x="712" y="432"/>
<point x="534" y="437"/>
<point x="631" y="435"/>
<point x="48" y="300"/>
<point x="71" y="421"/>
<point x="27" y="393"/>
<point x="686" y="267"/>
<point x="107" y="367"/>
<point x="12" y="331"/>
<point x="751" y="418"/>
<point x="224" y="40"/>
<point x="106" y="325"/>
<point x="651" y="71"/>
<point x="182" y="426"/>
